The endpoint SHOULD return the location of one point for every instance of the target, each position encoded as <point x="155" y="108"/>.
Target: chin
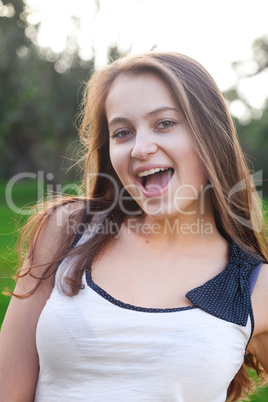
<point x="160" y="212"/>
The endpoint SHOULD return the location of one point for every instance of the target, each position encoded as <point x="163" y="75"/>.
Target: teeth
<point x="151" y="171"/>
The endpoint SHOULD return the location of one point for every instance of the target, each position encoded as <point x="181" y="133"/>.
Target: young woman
<point x="143" y="290"/>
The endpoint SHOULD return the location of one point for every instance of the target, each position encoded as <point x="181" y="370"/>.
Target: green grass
<point x="23" y="194"/>
<point x="260" y="395"/>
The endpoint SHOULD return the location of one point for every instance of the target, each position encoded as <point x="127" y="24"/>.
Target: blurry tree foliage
<point x="259" y="62"/>
<point x="37" y="103"/>
<point x="253" y="133"/>
<point x="246" y="69"/>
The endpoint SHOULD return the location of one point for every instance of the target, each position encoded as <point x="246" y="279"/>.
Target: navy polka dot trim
<point x="121" y="304"/>
<point x="227" y="295"/>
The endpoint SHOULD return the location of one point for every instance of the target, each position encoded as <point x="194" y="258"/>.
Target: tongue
<point x="158" y="180"/>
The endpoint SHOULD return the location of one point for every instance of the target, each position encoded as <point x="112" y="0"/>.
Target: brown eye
<point x="121" y="134"/>
<point x="166" y="124"/>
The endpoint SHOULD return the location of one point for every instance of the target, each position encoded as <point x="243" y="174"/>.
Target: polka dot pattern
<point x="227" y="295"/>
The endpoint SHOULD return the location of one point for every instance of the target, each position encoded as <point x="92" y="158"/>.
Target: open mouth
<point x="155" y="180"/>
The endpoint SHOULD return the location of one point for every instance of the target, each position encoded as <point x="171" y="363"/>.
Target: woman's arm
<point x="258" y="345"/>
<point x="19" y="365"/>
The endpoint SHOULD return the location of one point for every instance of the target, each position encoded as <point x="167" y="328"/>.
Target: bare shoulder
<point x="46" y="244"/>
<point x="260" y="300"/>
<point x="259" y="343"/>
<point x="56" y="229"/>
<point x="60" y="221"/>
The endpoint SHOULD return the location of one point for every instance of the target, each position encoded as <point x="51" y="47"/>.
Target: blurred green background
<point x="40" y="91"/>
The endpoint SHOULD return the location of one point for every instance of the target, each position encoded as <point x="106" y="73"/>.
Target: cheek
<point x="119" y="162"/>
<point x="197" y="169"/>
<point x="113" y="158"/>
<point x="191" y="165"/>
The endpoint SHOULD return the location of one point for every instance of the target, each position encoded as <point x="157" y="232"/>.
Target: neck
<point x="180" y="229"/>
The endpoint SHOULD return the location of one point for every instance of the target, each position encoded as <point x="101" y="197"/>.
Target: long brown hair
<point x="235" y="200"/>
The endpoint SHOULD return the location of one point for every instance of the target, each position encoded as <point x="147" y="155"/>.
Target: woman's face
<point x="150" y="149"/>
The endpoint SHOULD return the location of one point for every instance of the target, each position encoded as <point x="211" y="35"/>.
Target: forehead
<point x="131" y="93"/>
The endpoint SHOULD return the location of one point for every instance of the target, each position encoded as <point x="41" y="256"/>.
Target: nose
<point x="143" y="146"/>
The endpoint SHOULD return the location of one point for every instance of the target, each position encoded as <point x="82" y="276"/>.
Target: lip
<point x="147" y="193"/>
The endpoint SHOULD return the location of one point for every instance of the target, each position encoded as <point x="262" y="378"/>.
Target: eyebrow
<point x="117" y="120"/>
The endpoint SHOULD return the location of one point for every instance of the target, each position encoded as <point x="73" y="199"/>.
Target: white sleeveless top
<point x="93" y="347"/>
